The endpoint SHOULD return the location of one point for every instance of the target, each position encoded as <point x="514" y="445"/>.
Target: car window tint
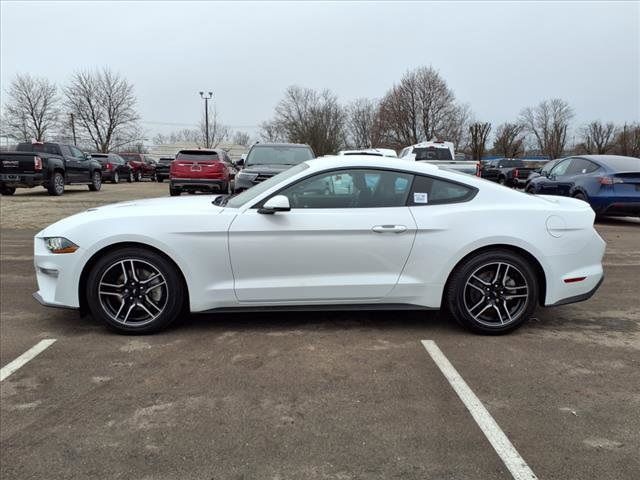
<point x="562" y="167"/>
<point x="356" y="188"/>
<point x="76" y="153"/>
<point x="434" y="191"/>
<point x="582" y="166"/>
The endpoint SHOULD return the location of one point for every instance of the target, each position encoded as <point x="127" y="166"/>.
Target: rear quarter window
<point x="435" y="191"/>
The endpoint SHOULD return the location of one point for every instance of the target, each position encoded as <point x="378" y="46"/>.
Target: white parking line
<point x="498" y="440"/>
<point x="30" y="354"/>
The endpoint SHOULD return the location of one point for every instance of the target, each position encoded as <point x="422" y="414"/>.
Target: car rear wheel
<point x="494" y="292"/>
<point x="7" y="190"/>
<point x="138" y="177"/>
<point x="133" y="290"/>
<point x="174" y="192"/>
<point x="55" y="186"/>
<point x="116" y="178"/>
<point x="130" y="177"/>
<point x="96" y="182"/>
<point x="502" y="181"/>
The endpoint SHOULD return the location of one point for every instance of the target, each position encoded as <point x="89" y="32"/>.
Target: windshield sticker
<point x="420" y="198"/>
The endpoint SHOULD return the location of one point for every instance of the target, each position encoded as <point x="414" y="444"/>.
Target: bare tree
<point x="627" y="140"/>
<point x="422" y="107"/>
<point x="31" y="110"/>
<point x="104" y="105"/>
<point x="597" y="137"/>
<point x="270" y="131"/>
<point x="308" y="116"/>
<point x="241" y="138"/>
<point x="361" y="120"/>
<point x="548" y="122"/>
<point x="478" y="135"/>
<point x="509" y="140"/>
<point x="218" y="132"/>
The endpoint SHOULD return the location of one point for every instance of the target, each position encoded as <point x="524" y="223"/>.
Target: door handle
<point x="389" y="228"/>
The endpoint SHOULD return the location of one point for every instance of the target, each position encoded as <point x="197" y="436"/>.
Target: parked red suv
<point x="142" y="165"/>
<point x="201" y="170"/>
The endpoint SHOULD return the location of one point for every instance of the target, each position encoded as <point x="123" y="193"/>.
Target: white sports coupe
<point x="332" y="233"/>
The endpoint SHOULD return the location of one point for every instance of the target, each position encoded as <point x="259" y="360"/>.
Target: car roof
<point x="299" y="145"/>
<point x="617" y="162"/>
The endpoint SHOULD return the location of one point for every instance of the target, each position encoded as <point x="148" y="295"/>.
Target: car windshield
<point x="165" y="161"/>
<point x="197" y="156"/>
<point x="130" y="156"/>
<point x="248" y="195"/>
<point x="278" y="155"/>
<point x="432" y="153"/>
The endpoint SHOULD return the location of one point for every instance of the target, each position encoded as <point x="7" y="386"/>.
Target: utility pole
<point x="73" y="128"/>
<point x="206" y="115"/>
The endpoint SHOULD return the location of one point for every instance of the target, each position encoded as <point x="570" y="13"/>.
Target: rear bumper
<point x="579" y="298"/>
<point x="21" y="179"/>
<point x="216" y="185"/>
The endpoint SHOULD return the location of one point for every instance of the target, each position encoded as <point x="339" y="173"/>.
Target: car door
<point x="74" y="164"/>
<point x="346" y="238"/>
<point x="556" y="182"/>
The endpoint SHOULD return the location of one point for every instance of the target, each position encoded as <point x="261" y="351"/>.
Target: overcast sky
<point x="498" y="57"/>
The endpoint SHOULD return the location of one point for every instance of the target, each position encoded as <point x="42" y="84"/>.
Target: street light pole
<point x="206" y="115"/>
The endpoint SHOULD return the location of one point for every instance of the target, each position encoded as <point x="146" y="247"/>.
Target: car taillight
<point x="609" y="180"/>
<point x="515" y="173"/>
<point x="37" y="163"/>
<point x="478" y="169"/>
<point x="109" y="166"/>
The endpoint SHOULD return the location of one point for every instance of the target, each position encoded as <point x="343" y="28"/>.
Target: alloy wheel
<point x="496" y="294"/>
<point x="58" y="184"/>
<point x="133" y="292"/>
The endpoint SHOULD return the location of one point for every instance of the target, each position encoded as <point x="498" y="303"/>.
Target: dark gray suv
<point x="265" y="160"/>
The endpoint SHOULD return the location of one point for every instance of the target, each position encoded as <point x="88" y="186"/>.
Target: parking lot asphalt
<point x="340" y="395"/>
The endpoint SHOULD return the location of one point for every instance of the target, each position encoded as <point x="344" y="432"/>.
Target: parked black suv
<point x="51" y="165"/>
<point x="162" y="168"/>
<point x="265" y="160"/>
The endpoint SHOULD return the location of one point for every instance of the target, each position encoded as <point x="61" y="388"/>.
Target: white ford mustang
<point x="336" y="232"/>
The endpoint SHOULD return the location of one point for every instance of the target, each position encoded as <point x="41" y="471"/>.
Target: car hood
<point x="268" y="169"/>
<point x="136" y="209"/>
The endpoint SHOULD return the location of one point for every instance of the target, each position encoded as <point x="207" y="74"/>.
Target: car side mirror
<point x="87" y="156"/>
<point x="279" y="203"/>
<point x="239" y="162"/>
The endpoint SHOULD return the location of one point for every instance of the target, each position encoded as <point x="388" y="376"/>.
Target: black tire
<point x="160" y="179"/>
<point x="154" y="178"/>
<point x="174" y="192"/>
<point x="7" y="190"/>
<point x="530" y="190"/>
<point x="55" y="187"/>
<point x="581" y="196"/>
<point x="130" y="177"/>
<point x="502" y="181"/>
<point x="468" y="304"/>
<point x="96" y="182"/>
<point x="138" y="176"/>
<point x="168" y="289"/>
<point x="115" y="178"/>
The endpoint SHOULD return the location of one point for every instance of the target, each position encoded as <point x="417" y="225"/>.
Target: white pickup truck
<point x="441" y="154"/>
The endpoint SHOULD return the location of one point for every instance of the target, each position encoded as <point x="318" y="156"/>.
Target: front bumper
<point x="57" y="276"/>
<point x="22" y="179"/>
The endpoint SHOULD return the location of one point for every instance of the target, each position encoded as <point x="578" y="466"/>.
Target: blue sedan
<point x="609" y="183"/>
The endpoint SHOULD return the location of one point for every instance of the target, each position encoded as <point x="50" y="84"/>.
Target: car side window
<point x="435" y="191"/>
<point x="66" y="151"/>
<point x="357" y="188"/>
<point x="582" y="166"/>
<point x="76" y="153"/>
<point x="562" y="167"/>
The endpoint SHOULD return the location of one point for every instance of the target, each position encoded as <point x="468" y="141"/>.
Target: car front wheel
<point x="96" y="182"/>
<point x="494" y="292"/>
<point x="134" y="290"/>
<point x="138" y="177"/>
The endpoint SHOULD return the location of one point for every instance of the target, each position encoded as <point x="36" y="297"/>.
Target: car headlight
<point x="247" y="176"/>
<point x="60" y="245"/>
